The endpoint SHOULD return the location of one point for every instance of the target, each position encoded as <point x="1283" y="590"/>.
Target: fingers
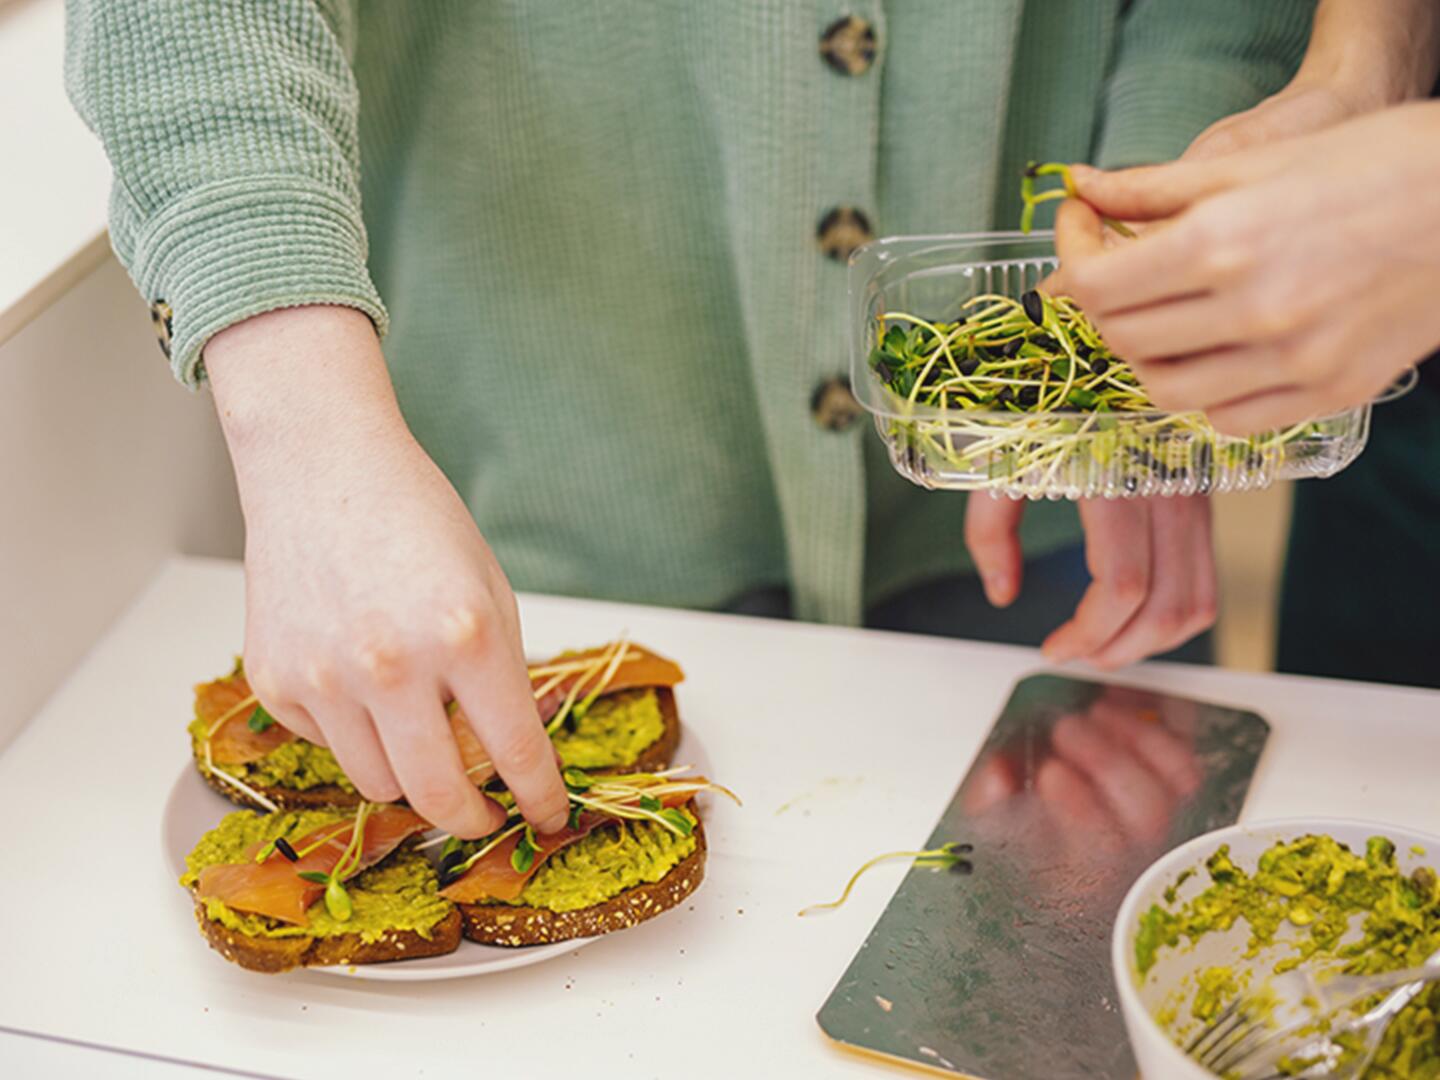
<point x="294" y="716"/>
<point x="1177" y="329"/>
<point x="992" y="534"/>
<point x="1181" y="599"/>
<point x="350" y="733"/>
<point x="495" y="695"/>
<point x="1268" y="411"/>
<point x="416" y="738"/>
<point x="1210" y="379"/>
<point x="1117" y="550"/>
<point x="1079" y="234"/>
<point x="1158" y="191"/>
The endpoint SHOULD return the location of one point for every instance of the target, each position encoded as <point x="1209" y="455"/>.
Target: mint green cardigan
<point x="589" y="233"/>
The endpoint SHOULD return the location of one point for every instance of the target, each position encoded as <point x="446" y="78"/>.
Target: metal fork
<point x="1242" y="1042"/>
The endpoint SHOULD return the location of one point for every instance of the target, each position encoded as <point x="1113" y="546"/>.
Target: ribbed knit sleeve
<point x="1183" y="64"/>
<point x="231" y="126"/>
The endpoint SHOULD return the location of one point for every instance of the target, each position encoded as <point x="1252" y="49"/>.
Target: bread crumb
<point x="884" y="1003"/>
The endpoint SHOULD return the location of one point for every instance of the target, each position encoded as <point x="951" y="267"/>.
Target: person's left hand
<point x="1151" y="563"/>
<point x="1294" y="279"/>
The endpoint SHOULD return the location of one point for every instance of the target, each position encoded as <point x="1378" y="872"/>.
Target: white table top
<point x="842" y="743"/>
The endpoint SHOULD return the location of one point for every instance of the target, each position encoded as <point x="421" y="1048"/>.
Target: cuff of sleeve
<point x="1155" y="110"/>
<point x="226" y="252"/>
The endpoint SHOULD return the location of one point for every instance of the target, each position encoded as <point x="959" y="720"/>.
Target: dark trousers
<point x="1361" y="598"/>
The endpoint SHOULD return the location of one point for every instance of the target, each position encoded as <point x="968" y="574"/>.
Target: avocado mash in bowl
<point x="1219" y="916"/>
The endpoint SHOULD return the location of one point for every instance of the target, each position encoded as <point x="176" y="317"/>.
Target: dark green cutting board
<point x="1000" y="969"/>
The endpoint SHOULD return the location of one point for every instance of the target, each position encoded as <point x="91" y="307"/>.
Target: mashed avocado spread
<point x="1318" y="886"/>
<point x="614" y="731"/>
<point x="298" y="765"/>
<point x="606" y="863"/>
<point x="399" y="894"/>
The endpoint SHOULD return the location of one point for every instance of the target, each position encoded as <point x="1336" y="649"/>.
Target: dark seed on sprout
<point x="1012" y="348"/>
<point x="964" y="849"/>
<point x="1030" y="395"/>
<point x="964" y="867"/>
<point x="1099" y="365"/>
<point x="969" y="365"/>
<point x="1030" y="170"/>
<point x="1046" y="342"/>
<point x="283" y="846"/>
<point x="883" y="370"/>
<point x="1083" y="350"/>
<point x="1034" y="306"/>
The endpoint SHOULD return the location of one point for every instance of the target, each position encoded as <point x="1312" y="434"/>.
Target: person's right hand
<point x="371" y="597"/>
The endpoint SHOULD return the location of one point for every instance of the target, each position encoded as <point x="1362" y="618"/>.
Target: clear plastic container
<point x="1051" y="455"/>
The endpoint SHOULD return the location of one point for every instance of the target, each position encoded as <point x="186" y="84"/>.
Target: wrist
<point x="1372" y="56"/>
<point x="298" y="386"/>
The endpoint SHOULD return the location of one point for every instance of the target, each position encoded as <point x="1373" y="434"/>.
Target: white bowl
<point x="1140" y="999"/>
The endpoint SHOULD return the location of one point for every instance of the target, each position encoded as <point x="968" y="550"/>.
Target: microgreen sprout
<point x="260" y="720"/>
<point x="1022" y="391"/>
<point x="1032" y="199"/>
<point x="949" y="856"/>
<point x="654" y="797"/>
<point x="337" y="900"/>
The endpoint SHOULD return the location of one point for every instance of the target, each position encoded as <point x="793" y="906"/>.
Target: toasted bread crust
<point x="508" y="925"/>
<point x="321" y="797"/>
<point x="271" y="955"/>
<point x="661" y="753"/>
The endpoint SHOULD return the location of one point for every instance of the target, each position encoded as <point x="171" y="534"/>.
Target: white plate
<point x="193" y="809"/>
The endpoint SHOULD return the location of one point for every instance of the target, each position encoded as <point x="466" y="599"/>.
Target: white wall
<point x="107" y="466"/>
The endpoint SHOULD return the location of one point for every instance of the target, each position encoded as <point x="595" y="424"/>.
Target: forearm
<point x="298" y="388"/>
<point x="1376" y="54"/>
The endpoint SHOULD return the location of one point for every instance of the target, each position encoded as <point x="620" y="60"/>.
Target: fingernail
<point x="998" y="589"/>
<point x="554" y="823"/>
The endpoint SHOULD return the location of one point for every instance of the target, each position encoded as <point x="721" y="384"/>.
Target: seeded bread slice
<point x="320" y="797"/>
<point x="510" y="925"/>
<point x="273" y="955"/>
<point x="661" y="753"/>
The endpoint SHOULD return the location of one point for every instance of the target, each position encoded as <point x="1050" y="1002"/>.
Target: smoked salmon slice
<point x="274" y="887"/>
<point x="640" y="668"/>
<point x="233" y="742"/>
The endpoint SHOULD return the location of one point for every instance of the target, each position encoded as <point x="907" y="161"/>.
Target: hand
<point x="1299" y="109"/>
<point x="371" y="598"/>
<point x="1151" y="563"/>
<point x="1295" y="279"/>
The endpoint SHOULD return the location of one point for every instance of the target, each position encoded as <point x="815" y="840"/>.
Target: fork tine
<point x="1240" y="1049"/>
<point x="1210" y="1029"/>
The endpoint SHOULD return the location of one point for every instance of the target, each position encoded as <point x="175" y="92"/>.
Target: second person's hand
<point x="371" y="598"/>
<point x="1286" y="281"/>
<point x="1153" y="584"/>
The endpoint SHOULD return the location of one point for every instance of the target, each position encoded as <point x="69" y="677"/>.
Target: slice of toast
<point x="661" y="753"/>
<point x="320" y="797"/>
<point x="273" y="955"/>
<point x="658" y="755"/>
<point x="511" y="925"/>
